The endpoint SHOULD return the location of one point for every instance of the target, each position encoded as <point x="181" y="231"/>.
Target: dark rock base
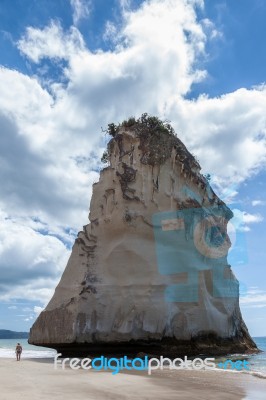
<point x="209" y="345"/>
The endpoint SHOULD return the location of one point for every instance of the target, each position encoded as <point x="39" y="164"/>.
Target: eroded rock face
<point x="150" y="270"/>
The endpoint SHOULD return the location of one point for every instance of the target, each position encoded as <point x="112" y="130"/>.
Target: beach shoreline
<point x="33" y="379"/>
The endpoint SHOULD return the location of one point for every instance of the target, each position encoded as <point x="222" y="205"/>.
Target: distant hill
<point x="6" y="334"/>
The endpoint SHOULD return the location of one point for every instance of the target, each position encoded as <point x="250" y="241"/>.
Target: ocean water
<point x="258" y="361"/>
<point x="7" y="350"/>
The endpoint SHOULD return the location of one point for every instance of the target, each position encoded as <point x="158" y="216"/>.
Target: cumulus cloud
<point x="227" y="133"/>
<point x="29" y="260"/>
<point x="37" y="181"/>
<point x="51" y="129"/>
<point x="51" y="42"/>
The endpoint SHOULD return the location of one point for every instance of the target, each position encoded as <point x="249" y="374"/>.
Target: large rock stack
<point x="149" y="272"/>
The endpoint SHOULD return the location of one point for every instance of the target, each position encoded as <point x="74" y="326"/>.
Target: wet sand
<point x="36" y="379"/>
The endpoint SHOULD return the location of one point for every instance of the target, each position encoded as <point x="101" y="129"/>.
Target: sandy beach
<point x="36" y="379"/>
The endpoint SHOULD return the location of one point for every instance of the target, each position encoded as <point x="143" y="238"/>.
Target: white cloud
<point x="110" y="32"/>
<point x="51" y="42"/>
<point x="30" y="261"/>
<point x="81" y="10"/>
<point x="125" y="4"/>
<point x="12" y="308"/>
<point x="43" y="163"/>
<point x="210" y="29"/>
<point x="227" y="133"/>
<point x="38" y="309"/>
<point x="251" y="218"/>
<point x="255" y="298"/>
<point x="241" y="220"/>
<point x="258" y="203"/>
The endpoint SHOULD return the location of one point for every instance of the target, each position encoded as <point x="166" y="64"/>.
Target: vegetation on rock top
<point x="157" y="139"/>
<point x="145" y="122"/>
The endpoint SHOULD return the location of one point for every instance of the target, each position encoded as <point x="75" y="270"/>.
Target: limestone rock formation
<point x="149" y="272"/>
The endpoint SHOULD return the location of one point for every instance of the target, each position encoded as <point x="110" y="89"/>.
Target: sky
<point x="70" y="67"/>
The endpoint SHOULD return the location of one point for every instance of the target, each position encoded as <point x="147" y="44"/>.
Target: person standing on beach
<point x="18" y="351"/>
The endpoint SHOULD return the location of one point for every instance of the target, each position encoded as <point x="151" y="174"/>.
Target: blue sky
<point x="238" y="59"/>
<point x="69" y="67"/>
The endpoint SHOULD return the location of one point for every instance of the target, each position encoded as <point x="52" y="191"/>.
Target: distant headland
<point x="7" y="334"/>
